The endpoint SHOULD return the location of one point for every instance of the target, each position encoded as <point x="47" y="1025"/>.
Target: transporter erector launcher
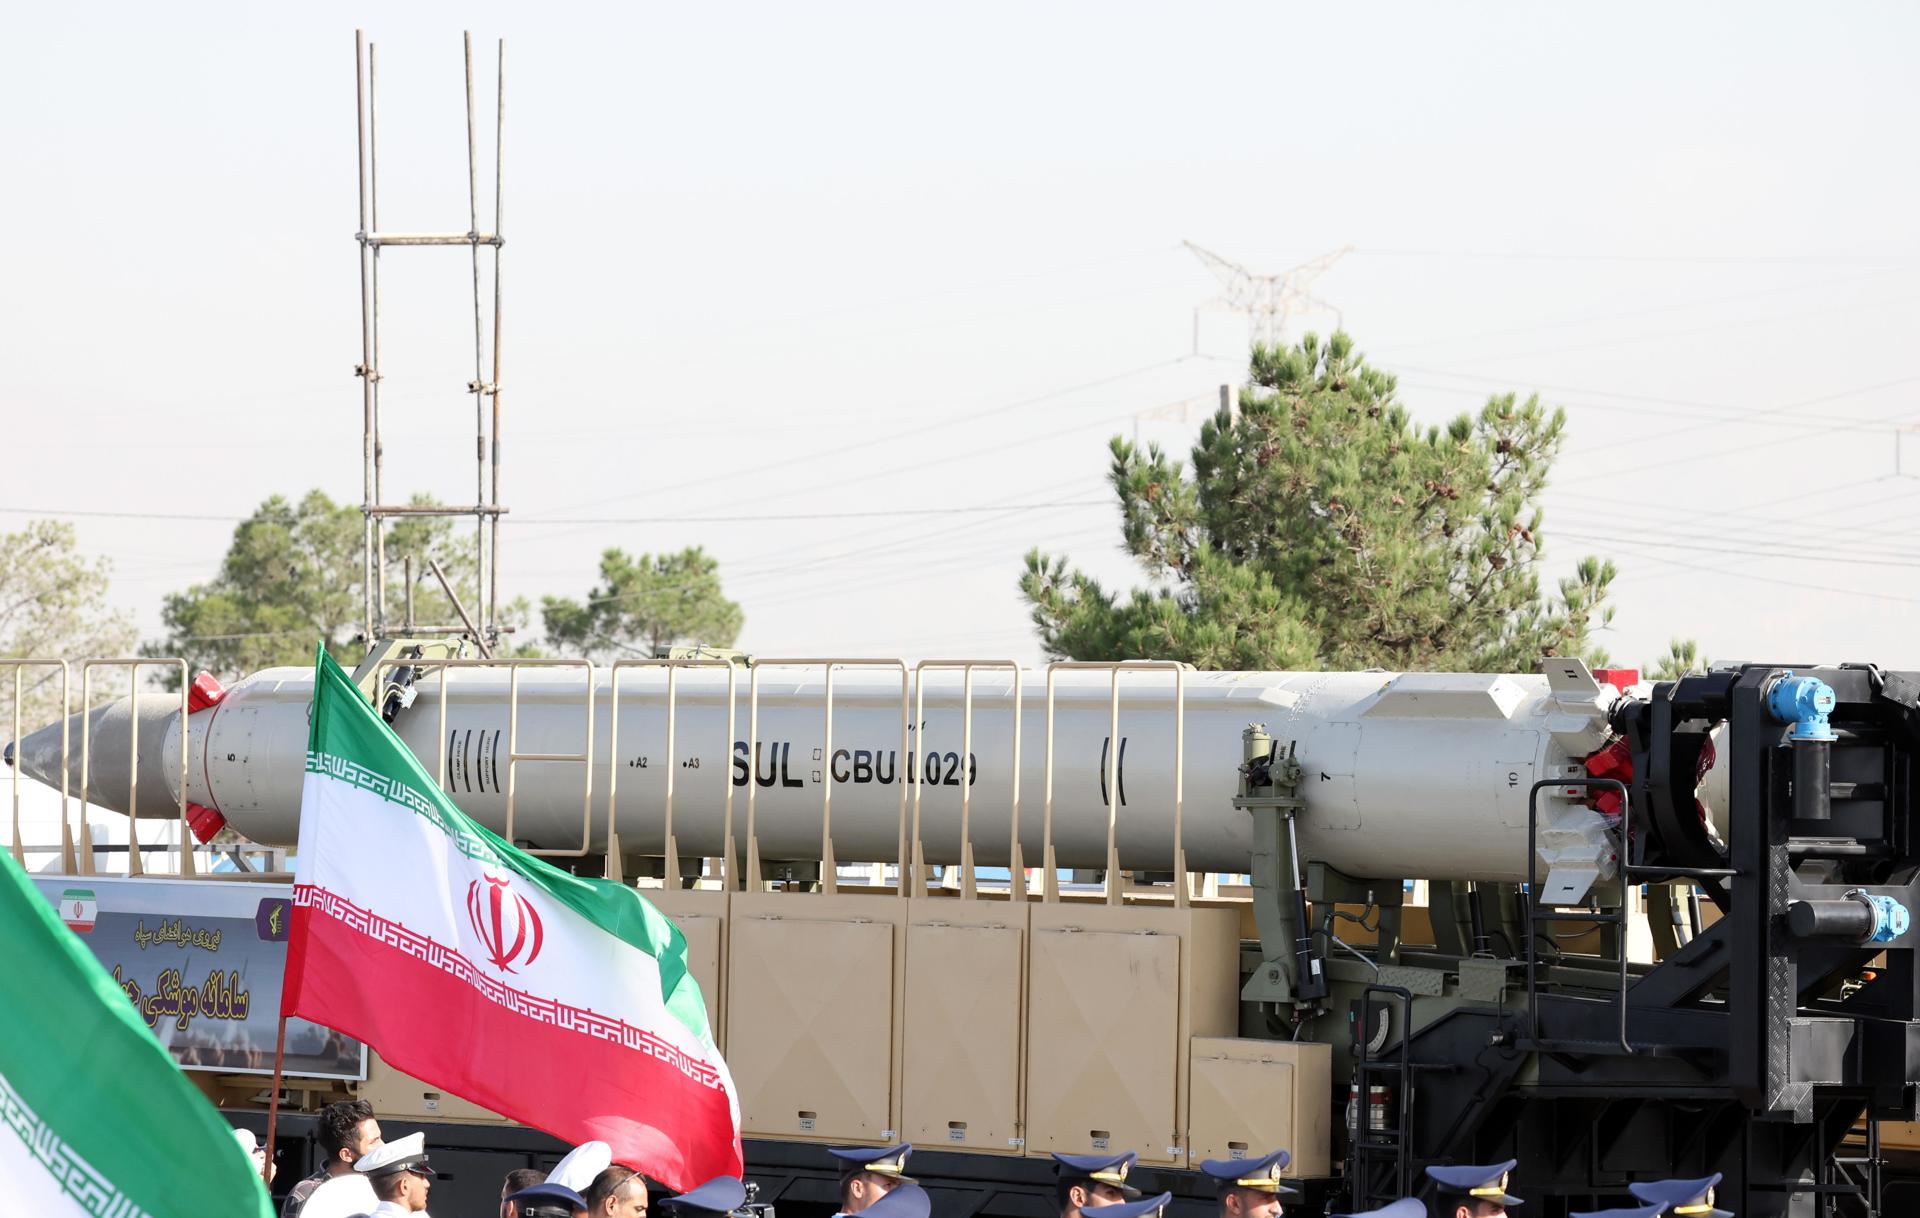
<point x="1408" y="774"/>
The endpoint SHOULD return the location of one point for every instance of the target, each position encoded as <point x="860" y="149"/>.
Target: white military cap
<point x="341" y="1197"/>
<point x="401" y="1154"/>
<point x="581" y="1165"/>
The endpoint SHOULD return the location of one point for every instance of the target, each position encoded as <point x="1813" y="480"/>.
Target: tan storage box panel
<point x="812" y="1011"/>
<point x="960" y="1073"/>
<point x="702" y="918"/>
<point x="1250" y="1097"/>
<point x="404" y="1097"/>
<point x="1114" y="994"/>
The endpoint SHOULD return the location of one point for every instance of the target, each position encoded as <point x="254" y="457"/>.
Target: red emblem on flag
<point x="505" y="921"/>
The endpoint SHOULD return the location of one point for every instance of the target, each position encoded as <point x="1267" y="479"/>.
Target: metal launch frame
<point x="486" y="509"/>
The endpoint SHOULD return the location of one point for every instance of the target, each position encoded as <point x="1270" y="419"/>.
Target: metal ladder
<point x="1372" y="1150"/>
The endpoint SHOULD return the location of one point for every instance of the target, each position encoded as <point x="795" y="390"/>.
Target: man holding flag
<point x="561" y="1002"/>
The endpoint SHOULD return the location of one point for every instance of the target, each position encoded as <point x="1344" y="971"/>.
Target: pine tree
<point x="1322" y="528"/>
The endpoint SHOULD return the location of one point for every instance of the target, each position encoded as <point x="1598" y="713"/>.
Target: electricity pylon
<point x="1269" y="301"/>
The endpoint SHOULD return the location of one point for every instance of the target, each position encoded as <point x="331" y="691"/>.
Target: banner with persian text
<point x="202" y="961"/>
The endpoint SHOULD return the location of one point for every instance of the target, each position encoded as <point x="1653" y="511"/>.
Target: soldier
<point x="717" y="1197"/>
<point x="1687" y="1198"/>
<point x="868" y="1173"/>
<point x="346" y="1131"/>
<point x="1088" y="1182"/>
<point x="1474" y="1192"/>
<point x="548" y="1201"/>
<point x="1250" y="1188"/>
<point x="399" y="1174"/>
<point x="1406" y="1207"/>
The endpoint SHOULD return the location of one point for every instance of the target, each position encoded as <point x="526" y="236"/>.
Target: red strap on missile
<point x="205" y="691"/>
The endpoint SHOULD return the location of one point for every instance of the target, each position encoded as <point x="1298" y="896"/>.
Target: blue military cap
<point x="541" y="1199"/>
<point x="1488" y="1183"/>
<point x="1150" y="1206"/>
<point x="1406" y="1207"/>
<point x="1645" y="1211"/>
<point x="909" y="1200"/>
<point x="880" y="1160"/>
<point x="720" y="1195"/>
<point x="1693" y="1198"/>
<point x="1261" y="1174"/>
<point x="1100" y="1169"/>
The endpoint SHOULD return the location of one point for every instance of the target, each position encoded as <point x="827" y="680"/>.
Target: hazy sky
<point x="784" y="262"/>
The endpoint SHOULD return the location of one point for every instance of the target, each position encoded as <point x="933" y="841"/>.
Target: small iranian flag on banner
<point x="95" y="1119"/>
<point x="79" y="909"/>
<point x="561" y="1002"/>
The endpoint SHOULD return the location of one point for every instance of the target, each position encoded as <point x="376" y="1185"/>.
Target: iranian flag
<point x="95" y="1119"/>
<point x="561" y="1002"/>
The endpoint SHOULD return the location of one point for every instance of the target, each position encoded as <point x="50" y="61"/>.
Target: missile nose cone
<point x="112" y="768"/>
<point x="6" y="755"/>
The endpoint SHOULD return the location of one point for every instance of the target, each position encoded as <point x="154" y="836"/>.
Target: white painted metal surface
<point x="1407" y="774"/>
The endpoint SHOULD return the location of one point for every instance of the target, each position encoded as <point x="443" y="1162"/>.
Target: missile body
<point x="1406" y="775"/>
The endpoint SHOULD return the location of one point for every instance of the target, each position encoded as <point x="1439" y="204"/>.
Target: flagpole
<point x="273" y="1102"/>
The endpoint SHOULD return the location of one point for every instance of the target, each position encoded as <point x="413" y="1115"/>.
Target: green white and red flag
<point x="562" y="1002"/>
<point x="95" y="1119"/>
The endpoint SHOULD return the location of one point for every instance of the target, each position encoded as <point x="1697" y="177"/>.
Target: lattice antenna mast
<point x="1269" y="301"/>
<point x="483" y="622"/>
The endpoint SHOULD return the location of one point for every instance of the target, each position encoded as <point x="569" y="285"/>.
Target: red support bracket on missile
<point x="205" y="691"/>
<point x="1619" y="678"/>
<point x="1614" y="761"/>
<point x="204" y="821"/>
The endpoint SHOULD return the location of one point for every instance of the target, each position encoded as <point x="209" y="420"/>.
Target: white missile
<point x="1407" y="775"/>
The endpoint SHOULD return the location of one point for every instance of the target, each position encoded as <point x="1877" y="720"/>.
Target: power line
<point x="862" y="515"/>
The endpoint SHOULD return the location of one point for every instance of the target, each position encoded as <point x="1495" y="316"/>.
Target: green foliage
<point x="1321" y="528"/>
<point x="643" y="604"/>
<point x="53" y="604"/>
<point x="1683" y="656"/>
<point x="293" y="574"/>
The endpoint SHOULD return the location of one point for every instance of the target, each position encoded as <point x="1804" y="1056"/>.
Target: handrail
<point x="1050" y="887"/>
<point x="514" y="755"/>
<point x="66" y="713"/>
<point x="829" y="880"/>
<point x="671" y="877"/>
<point x="1618" y="918"/>
<point x="1016" y="873"/>
<point x="133" y="665"/>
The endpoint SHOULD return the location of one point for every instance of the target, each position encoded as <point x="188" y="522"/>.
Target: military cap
<point x="341" y="1197"/>
<point x="1406" y="1207"/>
<point x="542" y="1200"/>
<point x="1692" y="1198"/>
<point x="1261" y="1175"/>
<point x="907" y="1201"/>
<point x="1099" y="1169"/>
<point x="720" y="1195"/>
<point x="1645" y="1211"/>
<point x="581" y="1164"/>
<point x="401" y="1154"/>
<point x="1146" y="1207"/>
<point x="880" y="1160"/>
<point x="1488" y="1183"/>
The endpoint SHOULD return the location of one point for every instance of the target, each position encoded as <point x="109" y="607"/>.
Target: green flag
<point x="95" y="1119"/>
